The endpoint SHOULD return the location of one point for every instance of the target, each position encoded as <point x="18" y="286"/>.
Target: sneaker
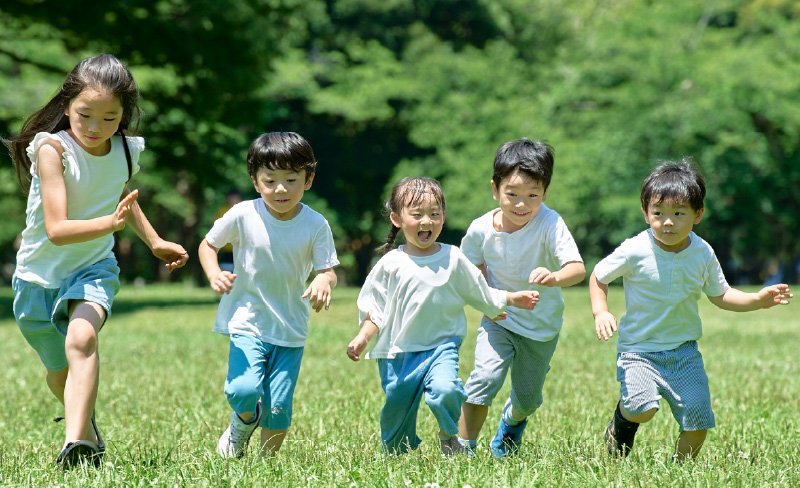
<point x="619" y="442"/>
<point x="78" y="452"/>
<point x="233" y="441"/>
<point x="451" y="447"/>
<point x="508" y="438"/>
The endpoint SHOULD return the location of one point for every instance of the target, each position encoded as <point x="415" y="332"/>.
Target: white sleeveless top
<point x="94" y="185"/>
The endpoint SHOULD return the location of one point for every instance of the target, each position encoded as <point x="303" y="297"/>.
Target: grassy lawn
<point x="161" y="407"/>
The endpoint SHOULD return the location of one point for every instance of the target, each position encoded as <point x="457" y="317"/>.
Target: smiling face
<point x="282" y="190"/>
<point x="421" y="225"/>
<point x="520" y="199"/>
<point x="671" y="222"/>
<point x="94" y="117"/>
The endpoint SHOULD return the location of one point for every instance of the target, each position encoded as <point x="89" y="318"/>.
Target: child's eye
<point x="83" y="116"/>
<point x="657" y="214"/>
<point x="533" y="195"/>
<point x="292" y="180"/>
<point x="110" y="120"/>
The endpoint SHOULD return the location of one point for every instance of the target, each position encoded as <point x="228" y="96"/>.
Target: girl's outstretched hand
<point x="605" y="324"/>
<point x="769" y="296"/>
<point x="357" y="346"/>
<point x="523" y="299"/>
<point x="123" y="211"/>
<point x="174" y="254"/>
<point x="223" y="282"/>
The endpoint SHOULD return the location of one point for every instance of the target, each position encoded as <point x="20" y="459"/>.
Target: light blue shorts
<point x="43" y="313"/>
<point x="678" y="376"/>
<point x="260" y="370"/>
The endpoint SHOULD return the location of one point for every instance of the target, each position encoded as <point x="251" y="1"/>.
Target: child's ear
<point x="495" y="191"/>
<point x="698" y="215"/>
<point x="395" y="219"/>
<point x="309" y="181"/>
<point x="646" y="219"/>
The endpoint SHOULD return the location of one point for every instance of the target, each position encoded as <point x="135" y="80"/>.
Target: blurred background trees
<point x="388" y="88"/>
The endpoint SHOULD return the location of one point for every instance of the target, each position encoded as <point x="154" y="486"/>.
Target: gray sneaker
<point x="451" y="447"/>
<point x="233" y="441"/>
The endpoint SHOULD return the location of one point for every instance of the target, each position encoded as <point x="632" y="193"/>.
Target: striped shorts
<point x="677" y="375"/>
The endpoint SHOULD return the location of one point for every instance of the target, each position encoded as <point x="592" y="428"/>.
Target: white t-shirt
<point x="94" y="185"/>
<point x="662" y="289"/>
<point x="272" y="261"/>
<point x="418" y="302"/>
<point x="544" y="241"/>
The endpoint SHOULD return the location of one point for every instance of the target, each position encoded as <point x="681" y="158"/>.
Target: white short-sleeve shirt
<point x="272" y="261"/>
<point x="418" y="302"/>
<point x="94" y="185"/>
<point x="510" y="258"/>
<point x="662" y="289"/>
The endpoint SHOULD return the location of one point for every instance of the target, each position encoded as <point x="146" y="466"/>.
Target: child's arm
<point x="360" y="342"/>
<point x="605" y="323"/>
<point x="739" y="301"/>
<point x="319" y="291"/>
<point x="570" y="274"/>
<point x="522" y="299"/>
<point x="221" y="281"/>
<point x="174" y="254"/>
<point x="59" y="228"/>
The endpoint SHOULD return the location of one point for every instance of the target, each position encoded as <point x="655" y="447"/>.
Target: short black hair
<point x="674" y="181"/>
<point x="281" y="150"/>
<point x="534" y="158"/>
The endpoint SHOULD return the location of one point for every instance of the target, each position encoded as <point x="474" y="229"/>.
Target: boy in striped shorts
<point x="664" y="270"/>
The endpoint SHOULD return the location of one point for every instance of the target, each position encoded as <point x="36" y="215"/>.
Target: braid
<point x="389" y="245"/>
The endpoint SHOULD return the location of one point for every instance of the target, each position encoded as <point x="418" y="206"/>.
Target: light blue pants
<point x="404" y="379"/>
<point x="259" y="370"/>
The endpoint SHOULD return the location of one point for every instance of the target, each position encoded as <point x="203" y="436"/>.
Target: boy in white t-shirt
<point x="277" y="243"/>
<point x="664" y="270"/>
<point x="522" y="245"/>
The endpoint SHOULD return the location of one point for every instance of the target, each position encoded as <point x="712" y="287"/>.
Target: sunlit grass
<point x="161" y="407"/>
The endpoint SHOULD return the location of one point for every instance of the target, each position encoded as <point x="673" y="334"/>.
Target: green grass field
<point x="161" y="407"/>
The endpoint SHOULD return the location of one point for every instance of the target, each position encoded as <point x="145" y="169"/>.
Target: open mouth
<point x="424" y="236"/>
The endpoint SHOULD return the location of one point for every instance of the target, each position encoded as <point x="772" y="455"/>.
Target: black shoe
<point x="619" y="442"/>
<point x="78" y="452"/>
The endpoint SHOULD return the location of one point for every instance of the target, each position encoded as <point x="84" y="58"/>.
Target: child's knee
<point x="445" y="393"/>
<point x="82" y="337"/>
<point x="640" y="418"/>
<point x="243" y="389"/>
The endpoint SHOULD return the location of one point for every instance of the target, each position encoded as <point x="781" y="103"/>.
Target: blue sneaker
<point x="508" y="438"/>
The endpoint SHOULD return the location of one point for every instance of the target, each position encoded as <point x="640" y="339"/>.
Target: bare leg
<point x="641" y="418"/>
<point x="80" y="390"/>
<point x="271" y="441"/>
<point x="472" y="418"/>
<point x="689" y="444"/>
<point x="56" y="380"/>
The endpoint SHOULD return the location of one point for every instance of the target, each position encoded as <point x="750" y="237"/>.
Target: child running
<point x="664" y="270"/>
<point x="413" y="300"/>
<point x="78" y="161"/>
<point x="277" y="243"/>
<point x="523" y="244"/>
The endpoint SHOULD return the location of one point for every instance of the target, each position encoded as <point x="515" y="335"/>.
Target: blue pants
<point x="404" y="379"/>
<point x="259" y="370"/>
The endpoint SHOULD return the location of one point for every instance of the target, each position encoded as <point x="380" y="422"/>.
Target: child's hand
<point x="769" y="296"/>
<point x="502" y="316"/>
<point x="123" y="211"/>
<point x="605" y="324"/>
<point x="319" y="292"/>
<point x="523" y="299"/>
<point x="542" y="276"/>
<point x="357" y="346"/>
<point x="223" y="282"/>
<point x="174" y="254"/>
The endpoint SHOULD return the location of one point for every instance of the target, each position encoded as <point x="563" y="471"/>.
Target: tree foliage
<point x="400" y="87"/>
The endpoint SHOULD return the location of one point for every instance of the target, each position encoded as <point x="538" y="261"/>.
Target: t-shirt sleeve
<point x="472" y="244"/>
<point x="612" y="266"/>
<point x="136" y="146"/>
<point x="715" y="283"/>
<point x="476" y="292"/>
<point x="564" y="247"/>
<point x="324" y="252"/>
<point x="225" y="229"/>
<point x="373" y="295"/>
